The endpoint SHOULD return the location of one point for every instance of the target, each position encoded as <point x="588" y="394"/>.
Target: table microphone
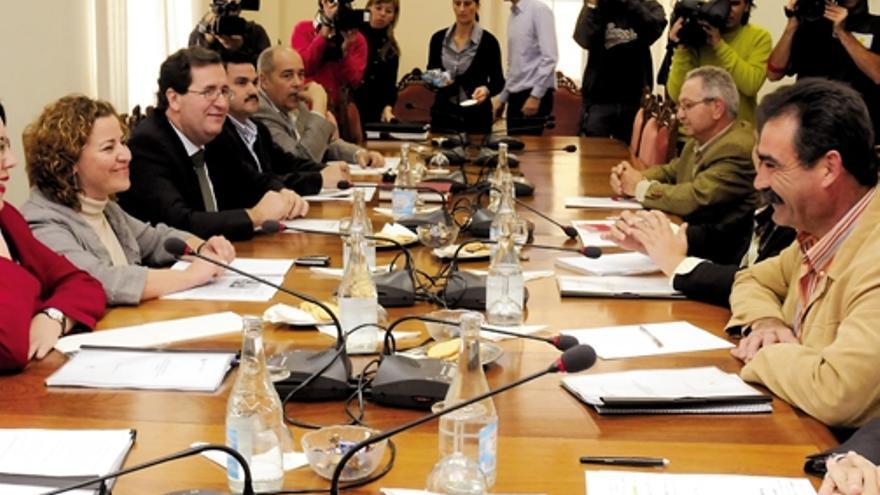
<point x="489" y="159"/>
<point x="493" y="139"/>
<point x="578" y="358"/>
<point x="394" y="288"/>
<point x="248" y="488"/>
<point x="319" y="375"/>
<point x="413" y="221"/>
<point x="570" y="231"/>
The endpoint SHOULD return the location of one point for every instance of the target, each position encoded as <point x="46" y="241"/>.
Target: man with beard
<point x="809" y="316"/>
<point x="247" y="141"/>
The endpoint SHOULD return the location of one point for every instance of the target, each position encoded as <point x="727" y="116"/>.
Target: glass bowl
<point x="437" y="235"/>
<point x="325" y="447"/>
<point x="441" y="332"/>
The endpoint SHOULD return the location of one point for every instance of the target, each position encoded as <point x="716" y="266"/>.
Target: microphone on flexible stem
<point x="247" y="487"/>
<point x="578" y="358"/>
<point x="570" y="231"/>
<point x="493" y="139"/>
<point x="396" y="288"/>
<point x="320" y="375"/>
<point x="490" y="159"/>
<point x="413" y="221"/>
<point x="468" y="290"/>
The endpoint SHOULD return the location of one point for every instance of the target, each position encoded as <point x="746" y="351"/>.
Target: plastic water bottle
<point x="403" y="198"/>
<point x="360" y="218"/>
<point x="502" y="170"/>
<point x="473" y="430"/>
<point x="505" y="292"/>
<point x="254" y="420"/>
<point x="358" y="299"/>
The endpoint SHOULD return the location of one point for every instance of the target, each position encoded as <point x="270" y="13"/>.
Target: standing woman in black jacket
<point x="472" y="56"/>
<point x="375" y="98"/>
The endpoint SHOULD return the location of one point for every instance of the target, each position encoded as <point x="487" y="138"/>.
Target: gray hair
<point x="266" y="60"/>
<point x="717" y="83"/>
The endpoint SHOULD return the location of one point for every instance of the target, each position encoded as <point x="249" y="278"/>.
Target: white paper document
<point x="156" y="333"/>
<point x="146" y="369"/>
<point x="342" y="194"/>
<point x="613" y="286"/>
<point x="590" y="232"/>
<point x="318" y="224"/>
<point x="56" y="458"/>
<point x="528" y="275"/>
<point x="649" y="339"/>
<point x="358" y="171"/>
<point x="291" y="461"/>
<point x="427" y="197"/>
<point x="637" y="483"/>
<point x="231" y="286"/>
<point x="602" y="203"/>
<point x="610" y="264"/>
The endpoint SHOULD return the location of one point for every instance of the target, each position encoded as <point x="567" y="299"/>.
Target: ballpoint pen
<point x="650" y="335"/>
<point x="625" y="461"/>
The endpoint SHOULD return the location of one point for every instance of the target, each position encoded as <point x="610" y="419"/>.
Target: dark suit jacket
<point x="298" y="174"/>
<point x="711" y="282"/>
<point x="164" y="186"/>
<point x="865" y="441"/>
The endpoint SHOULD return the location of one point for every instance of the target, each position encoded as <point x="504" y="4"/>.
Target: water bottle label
<point x="488" y="443"/>
<point x="403" y="202"/>
<point x="239" y="436"/>
<point x="358" y="311"/>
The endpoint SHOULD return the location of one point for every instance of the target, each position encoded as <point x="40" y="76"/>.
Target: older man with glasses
<point x="711" y="182"/>
<point x="171" y="182"/>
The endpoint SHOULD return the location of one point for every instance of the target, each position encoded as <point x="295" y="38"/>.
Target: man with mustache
<point x="172" y="180"/>
<point x="296" y="112"/>
<point x="809" y="317"/>
<point x="247" y="141"/>
<point x="711" y="182"/>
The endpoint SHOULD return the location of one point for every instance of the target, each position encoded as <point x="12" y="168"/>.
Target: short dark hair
<point x="175" y="72"/>
<point x="2" y="113"/>
<point x="238" y="57"/>
<point x="831" y="116"/>
<point x="748" y="13"/>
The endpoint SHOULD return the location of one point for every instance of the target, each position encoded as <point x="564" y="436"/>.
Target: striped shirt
<point x="818" y="253"/>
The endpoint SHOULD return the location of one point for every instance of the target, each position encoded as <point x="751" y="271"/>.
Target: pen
<point x="626" y="461"/>
<point x="650" y="335"/>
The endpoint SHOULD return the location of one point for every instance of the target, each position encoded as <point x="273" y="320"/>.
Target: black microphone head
<point x="343" y="184"/>
<point x="570" y="231"/>
<point x="177" y="247"/>
<point x="272" y="226"/>
<point x="578" y="358"/>
<point x="564" y="342"/>
<point x="591" y="251"/>
<point x="571" y="148"/>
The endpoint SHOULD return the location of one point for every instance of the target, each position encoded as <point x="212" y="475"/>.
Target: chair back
<point x="414" y="99"/>
<point x="654" y="143"/>
<point x="566" y="107"/>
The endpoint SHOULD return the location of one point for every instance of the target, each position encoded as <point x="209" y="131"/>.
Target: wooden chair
<point x="566" y="107"/>
<point x="416" y="94"/>
<point x="657" y="143"/>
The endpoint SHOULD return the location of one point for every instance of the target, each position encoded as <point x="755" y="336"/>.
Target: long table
<point x="542" y="429"/>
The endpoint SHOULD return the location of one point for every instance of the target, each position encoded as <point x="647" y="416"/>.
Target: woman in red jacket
<point x="42" y="295"/>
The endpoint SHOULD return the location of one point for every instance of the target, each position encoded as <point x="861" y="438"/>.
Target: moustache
<point x="769" y="197"/>
<point x="252" y="98"/>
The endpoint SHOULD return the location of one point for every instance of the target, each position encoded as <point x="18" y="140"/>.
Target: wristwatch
<point x="57" y="315"/>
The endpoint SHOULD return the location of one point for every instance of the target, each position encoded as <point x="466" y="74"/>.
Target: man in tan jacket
<point x="711" y="182"/>
<point x="810" y="318"/>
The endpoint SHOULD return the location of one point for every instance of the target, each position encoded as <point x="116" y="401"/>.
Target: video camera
<point x="227" y="21"/>
<point x="713" y="12"/>
<point x="809" y="10"/>
<point x="347" y="17"/>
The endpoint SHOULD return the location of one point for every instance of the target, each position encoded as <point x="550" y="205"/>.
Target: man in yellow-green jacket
<point x="740" y="48"/>
<point x="711" y="182"/>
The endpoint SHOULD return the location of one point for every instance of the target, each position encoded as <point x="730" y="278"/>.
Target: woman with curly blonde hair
<point x="77" y="161"/>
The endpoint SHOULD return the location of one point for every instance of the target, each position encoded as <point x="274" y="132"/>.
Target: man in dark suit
<point x="249" y="142"/>
<point x="171" y="179"/>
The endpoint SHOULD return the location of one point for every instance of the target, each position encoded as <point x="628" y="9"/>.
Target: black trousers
<point x="517" y="123"/>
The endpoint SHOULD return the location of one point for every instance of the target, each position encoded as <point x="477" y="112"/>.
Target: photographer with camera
<point x="333" y="49"/>
<point x="717" y="32"/>
<point x="223" y="29"/>
<point x="839" y="41"/>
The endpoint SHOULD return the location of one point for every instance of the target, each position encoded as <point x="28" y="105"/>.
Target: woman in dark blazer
<point x="472" y="56"/>
<point x="375" y="98"/>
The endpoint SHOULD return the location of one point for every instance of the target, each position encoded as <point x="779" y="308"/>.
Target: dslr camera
<point x="346" y="17"/>
<point x="227" y="21"/>
<point x="692" y="12"/>
<point x="809" y="10"/>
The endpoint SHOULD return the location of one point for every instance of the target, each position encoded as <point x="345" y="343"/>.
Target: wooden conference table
<point x="543" y="430"/>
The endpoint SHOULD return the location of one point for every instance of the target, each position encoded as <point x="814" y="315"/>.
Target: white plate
<point x="468" y="103"/>
<point x="399" y="233"/>
<point x="289" y="315"/>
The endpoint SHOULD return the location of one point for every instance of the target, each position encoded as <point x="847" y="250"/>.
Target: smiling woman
<point x="77" y="160"/>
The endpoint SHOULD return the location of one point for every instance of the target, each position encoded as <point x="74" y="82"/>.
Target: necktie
<point x="198" y="159"/>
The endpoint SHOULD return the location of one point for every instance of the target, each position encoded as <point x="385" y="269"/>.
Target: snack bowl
<point x="325" y="447"/>
<point x="437" y="235"/>
<point x="441" y="332"/>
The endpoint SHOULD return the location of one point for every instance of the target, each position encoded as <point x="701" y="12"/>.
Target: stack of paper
<point x="318" y="224"/>
<point x="590" y="232"/>
<point x="625" y="287"/>
<point x="651" y="339"/>
<point x="628" y="483"/>
<point x="613" y="203"/>
<point x="34" y="461"/>
<point x="668" y="391"/>
<point x="231" y="286"/>
<point x="342" y="194"/>
<point x="610" y="264"/>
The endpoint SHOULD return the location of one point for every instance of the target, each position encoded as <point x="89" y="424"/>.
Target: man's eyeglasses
<point x="687" y="105"/>
<point x="211" y="94"/>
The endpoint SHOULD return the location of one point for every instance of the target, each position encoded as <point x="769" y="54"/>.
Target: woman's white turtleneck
<point x="92" y="212"/>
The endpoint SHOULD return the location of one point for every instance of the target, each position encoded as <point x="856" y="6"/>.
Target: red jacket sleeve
<point x="309" y="44"/>
<point x="355" y="61"/>
<point x="41" y="279"/>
